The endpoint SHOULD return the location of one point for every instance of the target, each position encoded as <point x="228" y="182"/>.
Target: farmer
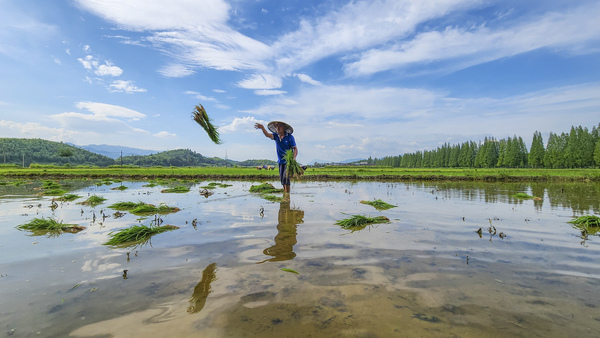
<point x="281" y="133"/>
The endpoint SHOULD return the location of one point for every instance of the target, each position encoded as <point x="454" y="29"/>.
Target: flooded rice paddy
<point x="429" y="272"/>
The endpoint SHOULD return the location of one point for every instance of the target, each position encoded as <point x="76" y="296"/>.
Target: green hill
<point x="175" y="158"/>
<point x="36" y="151"/>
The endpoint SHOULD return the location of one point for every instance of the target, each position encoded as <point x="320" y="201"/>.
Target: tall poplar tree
<point x="597" y="153"/>
<point x="537" y="151"/>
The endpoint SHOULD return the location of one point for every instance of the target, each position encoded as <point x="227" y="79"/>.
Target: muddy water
<point x="427" y="273"/>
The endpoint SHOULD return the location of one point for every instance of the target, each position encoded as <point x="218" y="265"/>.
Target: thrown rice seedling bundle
<point x="357" y="222"/>
<point x="49" y="225"/>
<point x="379" y="204"/>
<point x="292" y="168"/>
<point x="136" y="234"/>
<point x="201" y="117"/>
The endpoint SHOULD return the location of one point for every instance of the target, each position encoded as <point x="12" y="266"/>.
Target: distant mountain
<point x="115" y="151"/>
<point x="353" y="160"/>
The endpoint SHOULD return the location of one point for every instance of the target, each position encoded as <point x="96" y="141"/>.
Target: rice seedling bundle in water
<point x="587" y="221"/>
<point x="93" y="200"/>
<point x="49" y="224"/>
<point x="265" y="188"/>
<point x="125" y="205"/>
<point x="145" y="209"/>
<point x="69" y="197"/>
<point x="360" y="221"/>
<point x="136" y="234"/>
<point x="179" y="189"/>
<point x="201" y="117"/>
<point x="292" y="168"/>
<point x="379" y="204"/>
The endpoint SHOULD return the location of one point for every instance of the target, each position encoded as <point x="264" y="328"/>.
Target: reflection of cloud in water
<point x="98" y="265"/>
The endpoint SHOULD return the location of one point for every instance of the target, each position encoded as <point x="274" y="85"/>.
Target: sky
<point x="355" y="79"/>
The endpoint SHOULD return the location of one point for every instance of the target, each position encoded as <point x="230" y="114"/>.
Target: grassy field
<point x="327" y="173"/>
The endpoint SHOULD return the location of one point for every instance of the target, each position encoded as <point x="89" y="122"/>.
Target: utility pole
<point x="225" y="158"/>
<point x="23" y="160"/>
<point x="121" y="158"/>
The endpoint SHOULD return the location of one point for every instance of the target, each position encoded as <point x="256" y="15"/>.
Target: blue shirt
<point x="283" y="145"/>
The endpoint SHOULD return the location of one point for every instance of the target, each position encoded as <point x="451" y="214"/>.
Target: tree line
<point x="580" y="148"/>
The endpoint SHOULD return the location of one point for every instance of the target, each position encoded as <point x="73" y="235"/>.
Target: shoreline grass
<point x="311" y="174"/>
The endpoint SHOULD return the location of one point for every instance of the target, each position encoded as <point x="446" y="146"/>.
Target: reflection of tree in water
<point x="202" y="289"/>
<point x="285" y="240"/>
<point x="579" y="196"/>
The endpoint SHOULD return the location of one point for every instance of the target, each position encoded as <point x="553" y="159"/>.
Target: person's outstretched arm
<point x="260" y="126"/>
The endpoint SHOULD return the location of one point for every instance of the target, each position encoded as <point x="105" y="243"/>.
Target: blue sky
<point x="354" y="78"/>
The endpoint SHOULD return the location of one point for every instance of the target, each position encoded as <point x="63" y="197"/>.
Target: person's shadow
<point x="288" y="219"/>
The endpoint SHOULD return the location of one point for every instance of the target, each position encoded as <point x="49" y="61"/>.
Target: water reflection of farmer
<point x="202" y="289"/>
<point x="285" y="240"/>
<point x="281" y="133"/>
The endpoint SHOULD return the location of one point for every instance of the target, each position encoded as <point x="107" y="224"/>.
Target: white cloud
<point x="244" y="124"/>
<point x="356" y="121"/>
<point x="35" y="130"/>
<point x="165" y="134"/>
<point x="220" y="91"/>
<point x="261" y="81"/>
<point x="195" y="36"/>
<point x="200" y="96"/>
<point x="90" y="63"/>
<point x="125" y="86"/>
<point x="176" y="70"/>
<point x="108" y="69"/>
<point x="222" y="106"/>
<point x="307" y="79"/>
<point x="357" y="25"/>
<point x="56" y="60"/>
<point x="105" y="110"/>
<point x="469" y="46"/>
<point x="266" y="92"/>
